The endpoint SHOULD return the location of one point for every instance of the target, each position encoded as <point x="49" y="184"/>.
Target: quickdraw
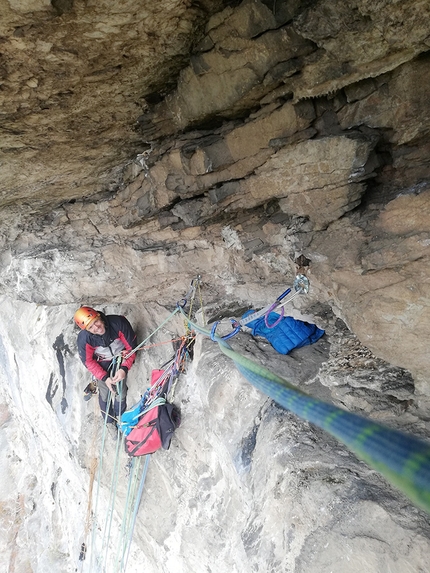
<point x="300" y="286"/>
<point x="194" y="284"/>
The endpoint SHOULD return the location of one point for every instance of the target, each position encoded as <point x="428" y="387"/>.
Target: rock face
<point x="144" y="144"/>
<point x="295" y="166"/>
<point x="74" y="77"/>
<point x="245" y="483"/>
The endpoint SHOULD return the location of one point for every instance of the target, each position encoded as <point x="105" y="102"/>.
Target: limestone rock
<point x="317" y="179"/>
<point x="241" y="475"/>
<point x="373" y="38"/>
<point x="144" y="144"/>
<point x="73" y="85"/>
<point x="403" y="107"/>
<point x="387" y="275"/>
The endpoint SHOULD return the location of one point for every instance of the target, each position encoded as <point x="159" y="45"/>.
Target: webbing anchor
<point x="300" y="285"/>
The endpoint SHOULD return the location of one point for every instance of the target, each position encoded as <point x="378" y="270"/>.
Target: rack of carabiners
<point x="169" y="373"/>
<point x="300" y="286"/>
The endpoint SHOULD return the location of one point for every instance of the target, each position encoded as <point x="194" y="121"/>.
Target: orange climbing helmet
<point x="85" y="316"/>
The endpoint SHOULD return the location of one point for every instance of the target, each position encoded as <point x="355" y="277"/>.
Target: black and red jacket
<point x="96" y="351"/>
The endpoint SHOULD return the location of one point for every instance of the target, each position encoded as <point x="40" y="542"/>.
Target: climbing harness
<point x="301" y="286"/>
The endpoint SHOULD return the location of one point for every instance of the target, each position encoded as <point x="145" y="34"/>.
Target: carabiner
<point x="194" y="283"/>
<point x="230" y="334"/>
<point x="283" y="295"/>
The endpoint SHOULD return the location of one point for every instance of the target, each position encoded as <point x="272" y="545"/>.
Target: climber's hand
<point x="120" y="375"/>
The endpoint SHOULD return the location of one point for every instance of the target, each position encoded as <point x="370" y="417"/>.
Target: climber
<point x="102" y="338"/>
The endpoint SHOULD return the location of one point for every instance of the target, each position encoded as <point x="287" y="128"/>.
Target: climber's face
<point x="97" y="327"/>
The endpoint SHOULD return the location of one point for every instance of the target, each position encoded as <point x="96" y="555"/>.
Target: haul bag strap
<point x="142" y="442"/>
